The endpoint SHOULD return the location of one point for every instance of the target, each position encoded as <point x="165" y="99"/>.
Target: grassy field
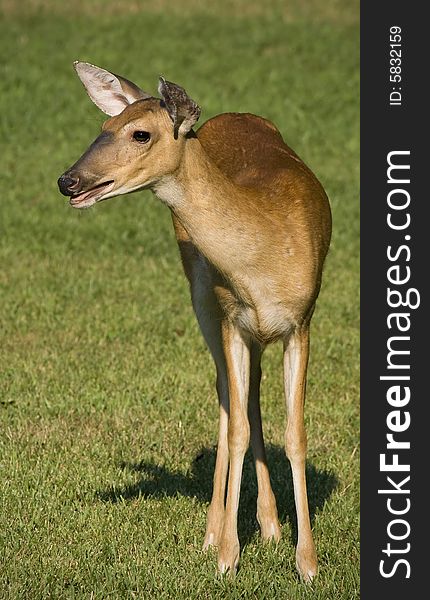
<point x="108" y="413"/>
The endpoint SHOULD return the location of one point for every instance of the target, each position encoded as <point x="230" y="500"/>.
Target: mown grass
<point x="107" y="408"/>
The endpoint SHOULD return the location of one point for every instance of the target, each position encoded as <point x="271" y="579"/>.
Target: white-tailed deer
<point x="253" y="226"/>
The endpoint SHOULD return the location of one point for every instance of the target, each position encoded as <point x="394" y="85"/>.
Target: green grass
<point x="108" y="413"/>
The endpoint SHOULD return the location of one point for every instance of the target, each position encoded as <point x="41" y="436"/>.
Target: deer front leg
<point x="296" y="352"/>
<point x="237" y="355"/>
<point x="209" y="316"/>
<point x="215" y="516"/>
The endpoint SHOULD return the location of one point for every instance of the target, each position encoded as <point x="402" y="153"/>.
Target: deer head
<point x="140" y="144"/>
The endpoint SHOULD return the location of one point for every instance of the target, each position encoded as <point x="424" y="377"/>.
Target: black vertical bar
<point x="402" y="126"/>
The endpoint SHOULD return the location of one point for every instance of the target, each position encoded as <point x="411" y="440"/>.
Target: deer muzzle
<point x="68" y="184"/>
<point x="83" y="182"/>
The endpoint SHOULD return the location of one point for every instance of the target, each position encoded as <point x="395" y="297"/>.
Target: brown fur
<point x="279" y="211"/>
<point x="253" y="226"/>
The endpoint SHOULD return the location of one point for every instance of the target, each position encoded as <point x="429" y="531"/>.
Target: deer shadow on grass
<point x="158" y="482"/>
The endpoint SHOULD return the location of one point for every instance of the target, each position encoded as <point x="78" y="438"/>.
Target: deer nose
<point x="68" y="184"/>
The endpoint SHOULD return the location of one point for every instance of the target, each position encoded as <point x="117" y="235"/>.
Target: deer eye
<point x="142" y="136"/>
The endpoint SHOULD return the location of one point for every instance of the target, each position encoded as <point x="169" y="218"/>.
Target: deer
<point x="253" y="226"/>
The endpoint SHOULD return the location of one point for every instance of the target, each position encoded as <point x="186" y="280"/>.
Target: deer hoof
<point x="306" y="564"/>
<point x="228" y="558"/>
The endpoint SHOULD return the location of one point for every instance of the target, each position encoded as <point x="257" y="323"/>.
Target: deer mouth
<point x="91" y="196"/>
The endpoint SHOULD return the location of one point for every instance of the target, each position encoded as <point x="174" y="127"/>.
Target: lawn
<point x="108" y="411"/>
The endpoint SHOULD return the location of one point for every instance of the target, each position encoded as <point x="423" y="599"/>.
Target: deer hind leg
<point x="296" y="352"/>
<point x="237" y="354"/>
<point x="267" y="513"/>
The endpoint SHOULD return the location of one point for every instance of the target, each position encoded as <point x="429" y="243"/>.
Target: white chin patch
<point x="87" y="199"/>
<point x="90" y="197"/>
<point x="82" y="203"/>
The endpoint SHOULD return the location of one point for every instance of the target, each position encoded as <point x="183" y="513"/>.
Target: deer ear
<point x="183" y="111"/>
<point x="111" y="93"/>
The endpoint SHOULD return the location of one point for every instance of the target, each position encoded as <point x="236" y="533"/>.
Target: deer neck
<point x="201" y="197"/>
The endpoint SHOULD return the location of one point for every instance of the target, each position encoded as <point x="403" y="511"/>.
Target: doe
<point x="253" y="226"/>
